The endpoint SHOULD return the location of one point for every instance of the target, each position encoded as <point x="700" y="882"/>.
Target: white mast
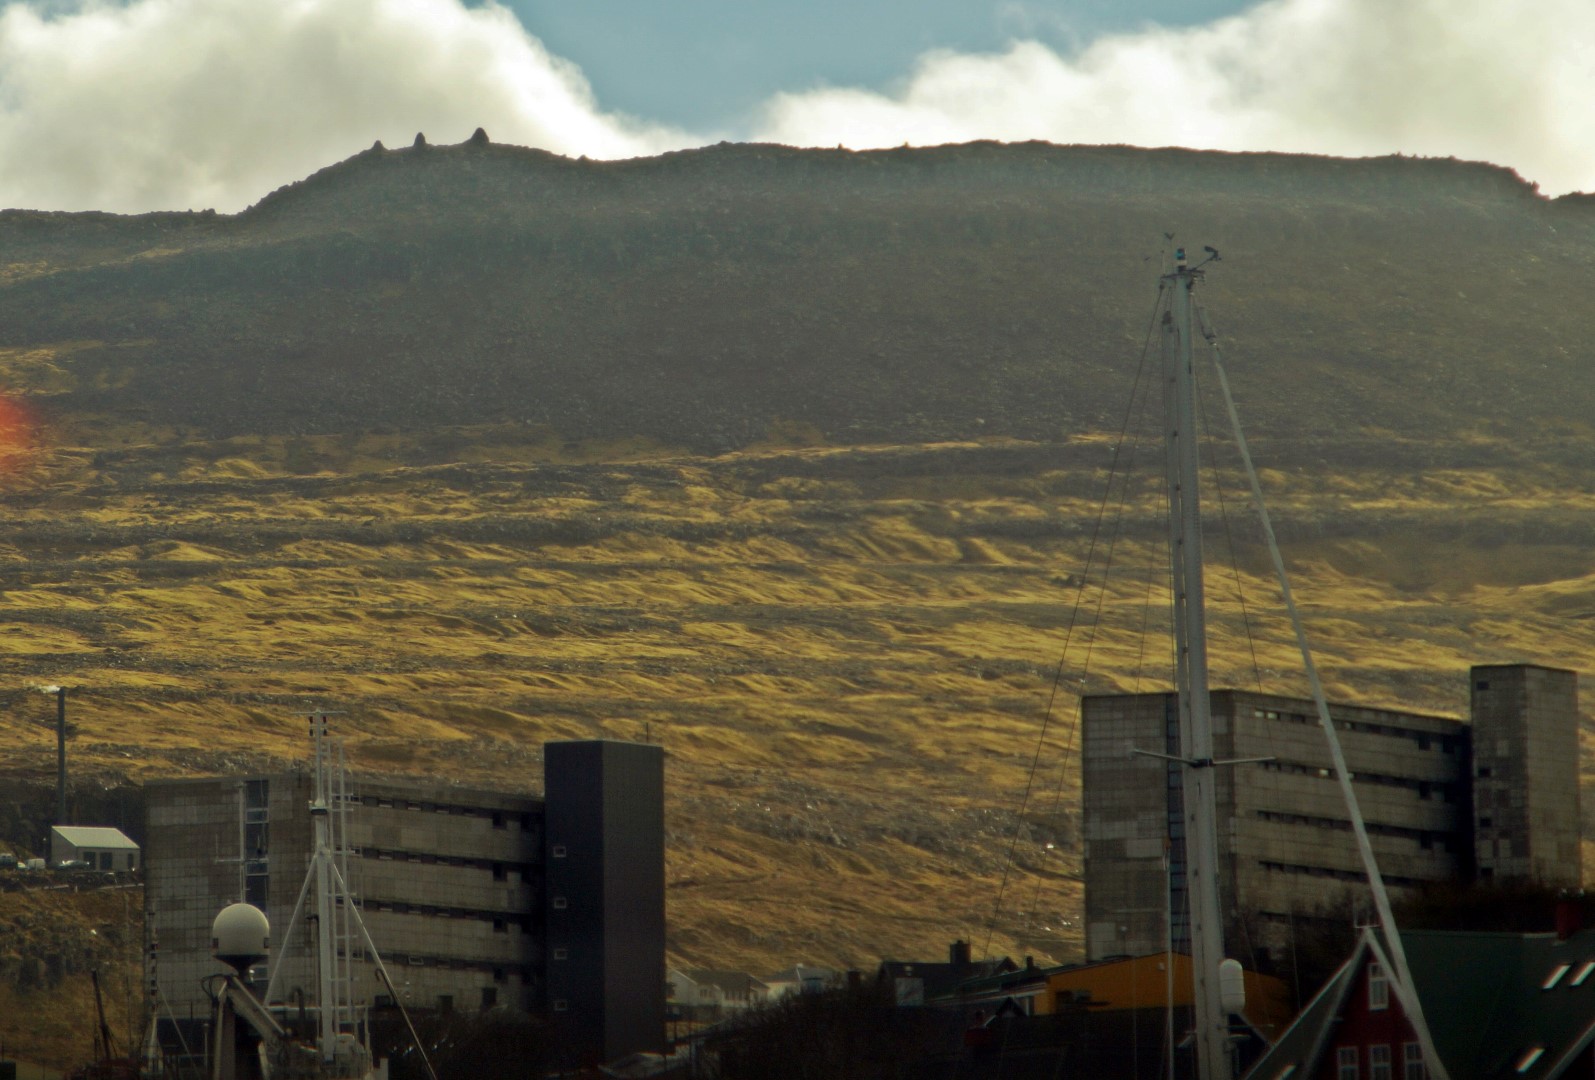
<point x="328" y="999"/>
<point x="1190" y="634"/>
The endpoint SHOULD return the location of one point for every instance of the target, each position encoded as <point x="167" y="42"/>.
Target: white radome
<point x="240" y="935"/>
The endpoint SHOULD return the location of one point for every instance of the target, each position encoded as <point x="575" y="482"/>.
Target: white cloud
<point x="172" y="104"/>
<point x="1479" y="79"/>
<point x="135" y="105"/>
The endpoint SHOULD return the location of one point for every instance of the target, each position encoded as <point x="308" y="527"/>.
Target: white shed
<point x="101" y="847"/>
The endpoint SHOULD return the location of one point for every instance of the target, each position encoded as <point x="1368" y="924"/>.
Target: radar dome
<point x="239" y="936"/>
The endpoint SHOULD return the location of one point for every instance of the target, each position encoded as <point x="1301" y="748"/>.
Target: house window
<point x="1378" y="991"/>
<point x="1346" y="1063"/>
<point x="489" y="996"/>
<point x="1412" y="1062"/>
<point x="1379" y="1063"/>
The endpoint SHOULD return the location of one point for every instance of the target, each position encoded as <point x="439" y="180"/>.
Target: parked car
<point x="70" y="866"/>
<point x="8" y="861"/>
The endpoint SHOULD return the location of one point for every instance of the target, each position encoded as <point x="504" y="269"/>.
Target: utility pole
<point x="60" y="754"/>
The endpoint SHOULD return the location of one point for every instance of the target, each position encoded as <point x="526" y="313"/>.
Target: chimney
<point x="958" y="954"/>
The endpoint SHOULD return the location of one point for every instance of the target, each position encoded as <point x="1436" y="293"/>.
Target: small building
<point x="102" y="848"/>
<point x="801" y="979"/>
<point x="914" y="982"/>
<point x="704" y="995"/>
<point x="1499" y="1006"/>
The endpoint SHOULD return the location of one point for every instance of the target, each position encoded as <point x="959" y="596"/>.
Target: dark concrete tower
<point x="1526" y="774"/>
<point x="605" y="896"/>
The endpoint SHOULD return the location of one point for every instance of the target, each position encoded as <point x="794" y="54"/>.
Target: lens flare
<point x="17" y="427"/>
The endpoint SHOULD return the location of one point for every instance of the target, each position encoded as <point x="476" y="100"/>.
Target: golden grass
<point x="847" y="659"/>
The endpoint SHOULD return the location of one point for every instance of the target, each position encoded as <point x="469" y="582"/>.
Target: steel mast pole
<point x="326" y="1003"/>
<point x="1196" y="727"/>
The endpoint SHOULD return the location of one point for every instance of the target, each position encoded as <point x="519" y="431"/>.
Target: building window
<point x="561" y="954"/>
<point x="1412" y="1062"/>
<point x="1378" y="989"/>
<point x="1485" y="772"/>
<point x="559" y="851"/>
<point x="1346" y="1063"/>
<point x="489" y="996"/>
<point x="1379" y="1063"/>
<point x="561" y="1005"/>
<point x="500" y="926"/>
<point x="559" y="903"/>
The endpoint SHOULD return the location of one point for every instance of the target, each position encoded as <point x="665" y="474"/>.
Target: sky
<point x="134" y="105"/>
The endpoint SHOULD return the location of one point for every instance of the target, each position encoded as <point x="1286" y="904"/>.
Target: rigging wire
<point x="1401" y="983"/>
<point x="1229" y="536"/>
<point x="1057" y="675"/>
<point x="1142" y="389"/>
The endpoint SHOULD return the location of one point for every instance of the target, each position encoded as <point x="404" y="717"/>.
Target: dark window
<point x="1485" y="822"/>
<point x="445" y="1003"/>
<point x="489" y="996"/>
<point x="498" y="820"/>
<point x="498" y="871"/>
<point x="1482" y="684"/>
<point x="1485" y="772"/>
<point x="500" y="926"/>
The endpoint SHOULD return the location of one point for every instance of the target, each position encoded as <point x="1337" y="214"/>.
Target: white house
<point x="705" y="994"/>
<point x="102" y="848"/>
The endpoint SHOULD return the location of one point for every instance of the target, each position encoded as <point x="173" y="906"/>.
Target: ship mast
<point x="1190" y="636"/>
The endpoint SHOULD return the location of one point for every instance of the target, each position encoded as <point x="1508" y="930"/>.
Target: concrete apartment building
<point x="1443" y="800"/>
<point x="456" y="886"/>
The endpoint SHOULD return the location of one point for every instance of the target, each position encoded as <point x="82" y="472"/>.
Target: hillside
<point x="788" y="460"/>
